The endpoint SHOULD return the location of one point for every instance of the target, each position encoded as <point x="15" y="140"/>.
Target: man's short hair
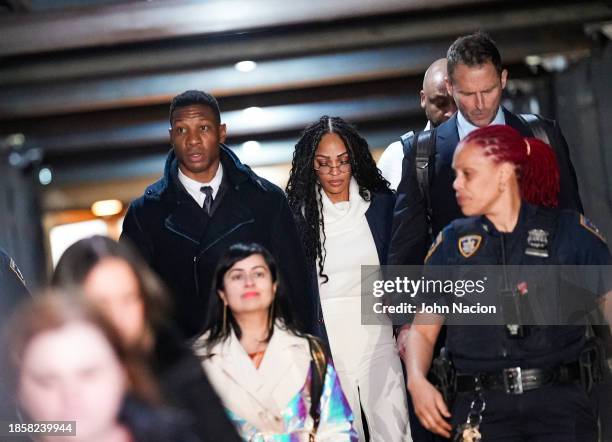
<point x="473" y="50"/>
<point x="193" y="97"/>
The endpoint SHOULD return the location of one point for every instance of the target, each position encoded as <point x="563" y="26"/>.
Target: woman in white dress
<point x="344" y="208"/>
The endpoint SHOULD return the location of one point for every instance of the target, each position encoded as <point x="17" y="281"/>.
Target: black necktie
<point x="208" y="198"/>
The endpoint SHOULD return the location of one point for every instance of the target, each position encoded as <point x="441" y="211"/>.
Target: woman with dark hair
<point x="67" y="363"/>
<point x="115" y="278"/>
<point x="519" y="380"/>
<point x="276" y="383"/>
<point x="344" y="210"/>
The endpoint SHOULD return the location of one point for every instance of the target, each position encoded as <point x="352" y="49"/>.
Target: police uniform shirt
<point x="570" y="240"/>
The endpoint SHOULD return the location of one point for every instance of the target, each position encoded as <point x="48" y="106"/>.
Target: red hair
<point x="535" y="161"/>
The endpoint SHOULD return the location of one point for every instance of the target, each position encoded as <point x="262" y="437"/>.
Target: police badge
<point x="469" y="244"/>
<point x="537" y="243"/>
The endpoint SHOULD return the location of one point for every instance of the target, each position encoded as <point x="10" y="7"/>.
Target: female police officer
<point x="508" y="185"/>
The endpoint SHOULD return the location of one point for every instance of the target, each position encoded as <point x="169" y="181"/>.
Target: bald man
<point x="438" y="106"/>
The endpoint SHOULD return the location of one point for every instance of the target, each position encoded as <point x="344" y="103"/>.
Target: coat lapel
<point x="186" y="222"/>
<point x="447" y="132"/>
<point x="260" y="395"/>
<point x="514" y="122"/>
<point x="288" y="355"/>
<point x="230" y="215"/>
<point x="236" y="380"/>
<point x="447" y="138"/>
<point x="379" y="216"/>
<point x="186" y="218"/>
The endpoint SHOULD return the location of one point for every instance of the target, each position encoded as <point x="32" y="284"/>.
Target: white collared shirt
<point x="390" y="162"/>
<point x="465" y="127"/>
<point x="193" y="187"/>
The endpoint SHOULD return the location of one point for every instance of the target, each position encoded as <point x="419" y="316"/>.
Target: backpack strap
<point x="535" y="123"/>
<point x="424" y="144"/>
<point x="318" y="369"/>
<point x="406" y="140"/>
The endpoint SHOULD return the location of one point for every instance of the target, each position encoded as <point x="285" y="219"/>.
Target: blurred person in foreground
<point x="115" y="278"/>
<point x="68" y="363"/>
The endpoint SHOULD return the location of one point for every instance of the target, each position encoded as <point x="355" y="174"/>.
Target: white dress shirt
<point x="193" y="187"/>
<point x="465" y="127"/>
<point x="390" y="162"/>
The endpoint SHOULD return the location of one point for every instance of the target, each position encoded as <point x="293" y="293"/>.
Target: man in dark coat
<point x="475" y="81"/>
<point x="206" y="201"/>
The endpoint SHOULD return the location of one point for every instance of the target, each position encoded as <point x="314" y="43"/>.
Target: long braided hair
<point x="304" y="192"/>
<point x="535" y="162"/>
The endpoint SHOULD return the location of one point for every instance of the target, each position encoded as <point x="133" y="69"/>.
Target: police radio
<point x="511" y="302"/>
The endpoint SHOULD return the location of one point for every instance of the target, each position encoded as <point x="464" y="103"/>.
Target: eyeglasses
<point x="325" y="169"/>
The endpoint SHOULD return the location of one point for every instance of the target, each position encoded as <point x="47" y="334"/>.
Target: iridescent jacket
<point x="272" y="403"/>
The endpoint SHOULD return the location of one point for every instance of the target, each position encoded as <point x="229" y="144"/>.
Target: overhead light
<point x="13" y="140"/>
<point x="550" y="63"/>
<point x="607" y="30"/>
<point x="533" y="60"/>
<point x="245" y="66"/>
<point x="45" y="176"/>
<point x="253" y="111"/>
<point x="107" y="207"/>
<point x="256" y="115"/>
<point x="251" y="147"/>
<point x="604" y="28"/>
<point x="555" y="63"/>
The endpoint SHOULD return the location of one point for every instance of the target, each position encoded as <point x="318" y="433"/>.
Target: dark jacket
<point x="380" y="220"/>
<point x="12" y="286"/>
<point x="12" y="292"/>
<point x="410" y="239"/>
<point x="184" y="386"/>
<point x="147" y="423"/>
<point x="182" y="243"/>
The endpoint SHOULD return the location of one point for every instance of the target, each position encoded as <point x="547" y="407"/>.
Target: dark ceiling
<point x="91" y="84"/>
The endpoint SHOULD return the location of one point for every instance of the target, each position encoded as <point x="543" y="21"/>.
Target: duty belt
<point x="516" y="380"/>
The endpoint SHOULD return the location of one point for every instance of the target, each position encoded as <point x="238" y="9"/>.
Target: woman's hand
<point x="429" y="406"/>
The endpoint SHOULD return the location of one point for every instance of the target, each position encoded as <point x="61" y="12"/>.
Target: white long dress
<point x="365" y="356"/>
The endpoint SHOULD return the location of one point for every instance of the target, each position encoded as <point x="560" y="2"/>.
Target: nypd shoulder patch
<point x="587" y="224"/>
<point x="469" y="244"/>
